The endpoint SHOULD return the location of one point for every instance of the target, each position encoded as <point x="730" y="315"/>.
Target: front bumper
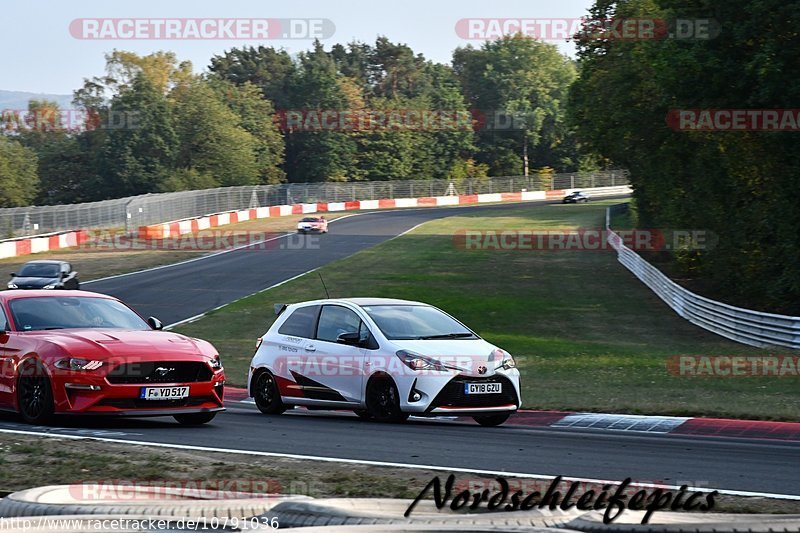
<point x="444" y="394"/>
<point x="94" y="395"/>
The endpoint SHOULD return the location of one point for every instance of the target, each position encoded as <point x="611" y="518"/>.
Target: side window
<point x="301" y="323"/>
<point x="335" y="320"/>
<point x="3" y="320"/>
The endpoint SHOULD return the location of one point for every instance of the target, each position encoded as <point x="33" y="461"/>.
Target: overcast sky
<point x="40" y="53"/>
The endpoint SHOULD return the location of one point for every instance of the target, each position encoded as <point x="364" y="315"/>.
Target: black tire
<point x="362" y="413"/>
<point x="266" y="394"/>
<point x="491" y="420"/>
<point x="195" y="419"/>
<point x="383" y="401"/>
<point x="35" y="395"/>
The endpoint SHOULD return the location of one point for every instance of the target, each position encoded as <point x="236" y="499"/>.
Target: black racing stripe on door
<point x="315" y="390"/>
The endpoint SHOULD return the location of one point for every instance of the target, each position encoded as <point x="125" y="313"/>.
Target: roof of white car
<point x="365" y="301"/>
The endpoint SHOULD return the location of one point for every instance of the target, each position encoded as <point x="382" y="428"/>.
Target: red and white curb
<point x="674" y="425"/>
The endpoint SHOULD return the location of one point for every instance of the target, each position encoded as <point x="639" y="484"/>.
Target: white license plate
<point x="164" y="393"/>
<point x="483" y="388"/>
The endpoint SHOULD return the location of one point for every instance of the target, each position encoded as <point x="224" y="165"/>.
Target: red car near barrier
<point x="85" y="353"/>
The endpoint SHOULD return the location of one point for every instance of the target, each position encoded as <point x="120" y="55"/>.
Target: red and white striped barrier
<point x="42" y="243"/>
<point x="68" y="239"/>
<point x="192" y="225"/>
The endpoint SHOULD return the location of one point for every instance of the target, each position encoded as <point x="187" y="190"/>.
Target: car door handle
<point x="311" y="348"/>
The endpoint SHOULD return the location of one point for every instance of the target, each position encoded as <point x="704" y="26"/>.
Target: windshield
<point x="310" y="219"/>
<point x="72" y="312"/>
<point x="405" y="322"/>
<point x="39" y="270"/>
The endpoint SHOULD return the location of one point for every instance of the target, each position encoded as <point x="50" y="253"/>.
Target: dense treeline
<point x="740" y="185"/>
<point x="152" y="125"/>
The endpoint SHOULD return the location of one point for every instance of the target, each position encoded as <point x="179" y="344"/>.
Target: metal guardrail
<point x="135" y="211"/>
<point x="741" y="325"/>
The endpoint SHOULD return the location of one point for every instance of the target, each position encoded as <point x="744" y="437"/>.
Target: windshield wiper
<point x="446" y="336"/>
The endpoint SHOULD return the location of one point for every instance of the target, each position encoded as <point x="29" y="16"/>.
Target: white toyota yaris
<point x="385" y="359"/>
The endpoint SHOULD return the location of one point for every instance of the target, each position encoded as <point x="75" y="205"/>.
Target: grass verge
<point x="586" y="334"/>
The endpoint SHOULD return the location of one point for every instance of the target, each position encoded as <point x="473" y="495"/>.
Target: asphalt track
<point x="721" y="463"/>
<point x="184" y="290"/>
<point x="181" y="291"/>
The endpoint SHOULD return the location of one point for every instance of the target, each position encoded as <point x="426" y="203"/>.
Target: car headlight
<point x="507" y="362"/>
<point x="51" y="286"/>
<point x="76" y="364"/>
<point x="415" y="361"/>
<point x="215" y="363"/>
<point x="12" y="286"/>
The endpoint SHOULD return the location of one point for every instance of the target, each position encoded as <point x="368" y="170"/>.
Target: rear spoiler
<point x="280" y="308"/>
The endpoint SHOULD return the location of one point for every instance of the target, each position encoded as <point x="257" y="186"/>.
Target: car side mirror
<point x="350" y="339"/>
<point x="13" y="274"/>
<point x="155" y="323"/>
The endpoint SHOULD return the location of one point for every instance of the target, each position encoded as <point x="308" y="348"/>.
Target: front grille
<point x="452" y="395"/>
<point x="138" y="403"/>
<point x="160" y="372"/>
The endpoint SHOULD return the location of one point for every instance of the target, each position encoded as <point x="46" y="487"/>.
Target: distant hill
<point x="19" y="99"/>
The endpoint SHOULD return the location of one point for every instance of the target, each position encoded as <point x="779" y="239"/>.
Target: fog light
<point x="414" y="395"/>
<point x="81" y="386"/>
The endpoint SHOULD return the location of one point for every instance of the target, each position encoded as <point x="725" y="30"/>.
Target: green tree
<point x="520" y="85"/>
<point x="140" y="155"/>
<point x="319" y="155"/>
<point x="61" y="162"/>
<point x="18" y="178"/>
<point x="211" y="139"/>
<point x="268" y="69"/>
<point x="257" y="117"/>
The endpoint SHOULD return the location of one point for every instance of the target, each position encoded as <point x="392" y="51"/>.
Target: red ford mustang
<point x="86" y="353"/>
